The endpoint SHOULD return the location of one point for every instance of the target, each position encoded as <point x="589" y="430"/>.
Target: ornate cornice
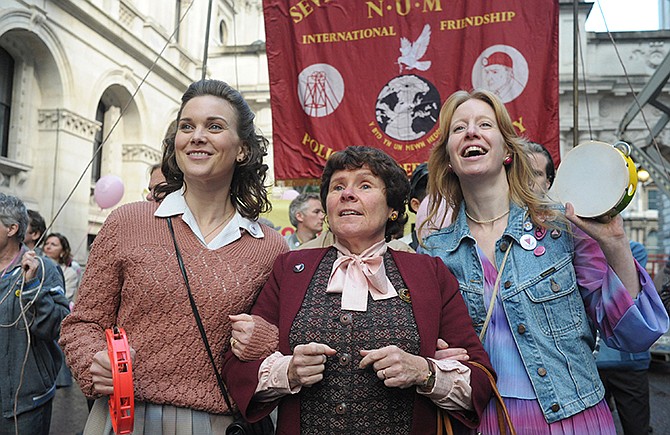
<point x="140" y="153"/>
<point x="70" y="122"/>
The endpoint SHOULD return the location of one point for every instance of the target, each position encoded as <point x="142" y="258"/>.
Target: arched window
<point x="97" y="142"/>
<point x="223" y="32"/>
<point x="6" y="85"/>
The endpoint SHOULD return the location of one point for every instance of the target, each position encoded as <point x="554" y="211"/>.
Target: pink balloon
<point x="108" y="191"/>
<point x="290" y="194"/>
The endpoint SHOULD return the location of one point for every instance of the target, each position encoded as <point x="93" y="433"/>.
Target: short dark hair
<point x="418" y="183"/>
<point x="384" y="167"/>
<point x="247" y="190"/>
<point x="298" y="205"/>
<point x="37" y="223"/>
<point x="534" y="147"/>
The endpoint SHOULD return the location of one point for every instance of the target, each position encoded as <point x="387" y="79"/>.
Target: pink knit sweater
<point x="132" y="280"/>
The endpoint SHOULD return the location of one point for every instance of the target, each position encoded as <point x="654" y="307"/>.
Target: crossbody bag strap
<point x="496" y="286"/>
<point x="196" y="314"/>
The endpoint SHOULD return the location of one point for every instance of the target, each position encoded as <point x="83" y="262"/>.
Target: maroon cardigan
<point x="439" y="311"/>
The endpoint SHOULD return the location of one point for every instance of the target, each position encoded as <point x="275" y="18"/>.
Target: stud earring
<point x="394" y="216"/>
<point x="507" y="160"/>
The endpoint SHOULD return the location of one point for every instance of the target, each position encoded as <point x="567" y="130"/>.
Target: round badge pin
<point x="528" y="226"/>
<point x="528" y="242"/>
<point x="540" y="250"/>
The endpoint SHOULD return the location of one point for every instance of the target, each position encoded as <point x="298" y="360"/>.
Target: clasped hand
<point x="101" y="372"/>
<point x="393" y="365"/>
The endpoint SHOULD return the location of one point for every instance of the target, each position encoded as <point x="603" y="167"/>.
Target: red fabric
<point x="359" y="88"/>
<point x="438" y="307"/>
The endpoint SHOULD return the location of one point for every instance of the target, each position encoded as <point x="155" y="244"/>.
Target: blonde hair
<point x="443" y="183"/>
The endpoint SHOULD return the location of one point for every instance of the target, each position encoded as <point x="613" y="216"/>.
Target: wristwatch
<point x="429" y="382"/>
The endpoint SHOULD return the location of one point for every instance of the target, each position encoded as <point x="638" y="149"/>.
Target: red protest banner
<point x="377" y="72"/>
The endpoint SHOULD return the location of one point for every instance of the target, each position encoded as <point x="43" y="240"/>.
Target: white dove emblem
<point x="410" y="53"/>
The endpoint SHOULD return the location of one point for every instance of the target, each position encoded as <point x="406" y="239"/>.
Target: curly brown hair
<point x="247" y="190"/>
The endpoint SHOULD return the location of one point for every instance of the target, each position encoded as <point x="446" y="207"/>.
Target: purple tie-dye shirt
<point x="621" y="320"/>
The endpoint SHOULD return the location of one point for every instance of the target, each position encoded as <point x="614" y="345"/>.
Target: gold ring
<point x="233" y="342"/>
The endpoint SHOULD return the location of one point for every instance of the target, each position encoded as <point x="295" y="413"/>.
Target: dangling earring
<point x="449" y="168"/>
<point x="507" y="160"/>
<point x="394" y="216"/>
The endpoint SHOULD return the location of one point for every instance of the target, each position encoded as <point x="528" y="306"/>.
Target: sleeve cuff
<point x="273" y="380"/>
<point x="452" y="390"/>
<point x="263" y="342"/>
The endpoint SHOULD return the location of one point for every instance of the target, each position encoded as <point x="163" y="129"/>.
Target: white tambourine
<point x="597" y="178"/>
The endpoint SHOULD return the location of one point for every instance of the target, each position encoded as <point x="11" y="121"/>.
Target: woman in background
<point x="57" y="247"/>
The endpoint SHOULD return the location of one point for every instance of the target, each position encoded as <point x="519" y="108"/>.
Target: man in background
<point x="156" y="177"/>
<point x="625" y="376"/>
<point x="543" y="165"/>
<point x="36" y="228"/>
<point x="306" y="215"/>
<point x="417" y="192"/>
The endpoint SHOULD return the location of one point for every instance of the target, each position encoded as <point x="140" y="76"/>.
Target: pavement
<point x="70" y="410"/>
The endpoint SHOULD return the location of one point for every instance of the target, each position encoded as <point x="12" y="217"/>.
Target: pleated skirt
<point x="152" y="419"/>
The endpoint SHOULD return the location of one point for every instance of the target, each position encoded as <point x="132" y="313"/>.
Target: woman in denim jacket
<point x="545" y="274"/>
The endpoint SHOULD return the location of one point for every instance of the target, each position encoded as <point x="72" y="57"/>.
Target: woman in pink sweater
<point x="213" y="194"/>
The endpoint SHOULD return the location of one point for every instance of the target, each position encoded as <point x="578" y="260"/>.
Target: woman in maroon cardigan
<point x="358" y="322"/>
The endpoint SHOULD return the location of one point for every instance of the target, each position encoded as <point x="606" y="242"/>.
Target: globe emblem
<point x="407" y="107"/>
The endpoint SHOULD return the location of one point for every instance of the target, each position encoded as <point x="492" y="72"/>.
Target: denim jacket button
<point x="543" y="372"/>
<point x="521" y="328"/>
<point x="508" y="284"/>
<point x="504" y="246"/>
<point x="555" y="407"/>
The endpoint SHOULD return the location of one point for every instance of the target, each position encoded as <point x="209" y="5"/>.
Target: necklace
<point x="486" y="221"/>
<point x="219" y="225"/>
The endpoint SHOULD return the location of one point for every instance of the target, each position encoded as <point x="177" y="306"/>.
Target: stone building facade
<point x="75" y="73"/>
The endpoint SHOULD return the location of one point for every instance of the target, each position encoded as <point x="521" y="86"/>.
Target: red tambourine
<point x="122" y="402"/>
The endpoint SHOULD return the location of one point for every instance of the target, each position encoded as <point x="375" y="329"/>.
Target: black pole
<point x="575" y="75"/>
<point x="204" y="55"/>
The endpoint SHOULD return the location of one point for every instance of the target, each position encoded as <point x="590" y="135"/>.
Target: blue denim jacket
<point x="34" y="378"/>
<point x="543" y="306"/>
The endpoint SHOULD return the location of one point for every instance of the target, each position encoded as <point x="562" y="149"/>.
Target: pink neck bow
<point x="356" y="275"/>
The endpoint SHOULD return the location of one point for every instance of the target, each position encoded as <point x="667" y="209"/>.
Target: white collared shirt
<point x="174" y="204"/>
